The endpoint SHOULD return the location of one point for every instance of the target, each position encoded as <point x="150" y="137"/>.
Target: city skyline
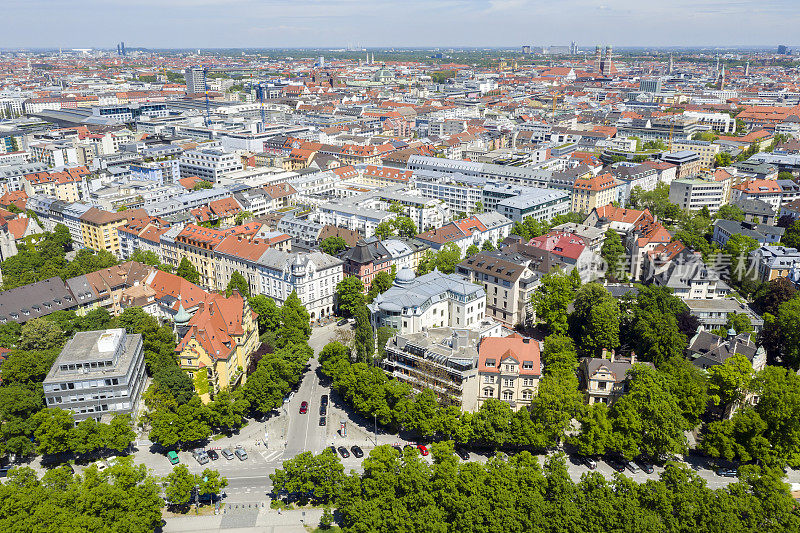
<point x="441" y="23"/>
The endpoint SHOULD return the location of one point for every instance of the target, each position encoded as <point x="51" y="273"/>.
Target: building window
<point x="508" y="395"/>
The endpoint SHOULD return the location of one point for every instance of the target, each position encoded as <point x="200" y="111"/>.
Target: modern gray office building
<point x="97" y="374"/>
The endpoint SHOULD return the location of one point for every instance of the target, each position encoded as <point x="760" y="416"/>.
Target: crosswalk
<point x="271" y="455"/>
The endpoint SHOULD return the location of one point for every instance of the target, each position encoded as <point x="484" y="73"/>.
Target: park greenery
<point x="44" y="256"/>
<point x="402" y="492"/>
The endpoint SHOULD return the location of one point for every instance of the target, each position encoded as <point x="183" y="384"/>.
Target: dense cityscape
<point x="533" y="288"/>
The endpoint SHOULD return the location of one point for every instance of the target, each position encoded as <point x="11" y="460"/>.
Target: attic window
<point x="491" y="362"/>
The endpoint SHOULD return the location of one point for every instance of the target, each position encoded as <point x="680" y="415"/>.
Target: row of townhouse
<point x="261" y="256"/>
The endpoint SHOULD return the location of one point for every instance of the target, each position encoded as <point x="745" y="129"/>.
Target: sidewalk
<point x="247" y="520"/>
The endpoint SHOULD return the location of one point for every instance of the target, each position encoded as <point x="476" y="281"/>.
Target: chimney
<point x="633" y="358"/>
<point x="613" y="355"/>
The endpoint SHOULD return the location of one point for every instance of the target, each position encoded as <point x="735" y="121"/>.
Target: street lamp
<point x="196" y="498"/>
<point x="375" y="416"/>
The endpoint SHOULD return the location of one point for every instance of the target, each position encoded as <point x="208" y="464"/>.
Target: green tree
<point x="18" y="404"/>
<point x="651" y="325"/>
<point x="781" y="336"/>
<point x="487" y="246"/>
<point x="739" y="322"/>
<point x="596" y="319"/>
<point x="41" y="334"/>
<point x="349" y="294"/>
<point x="448" y="257"/>
<point x="381" y="283"/>
<point x="211" y="482"/>
<point x="613" y="253"/>
<point x="723" y="159"/>
<point x="202" y="184"/>
<point x="146" y="257"/>
<point x="551" y="299"/>
<point x="118" y="434"/>
<point x="595" y="437"/>
<point x="730" y="381"/>
<point x="238" y="283"/>
<point x="364" y="334"/>
<point x="295" y="322"/>
<point x="384" y="230"/>
<point x="54" y="430"/>
<point x="472" y="250"/>
<point x="228" y="411"/>
<point x="333" y="245"/>
<point x="179" y="486"/>
<point x="768" y="298"/>
<point x="405" y="227"/>
<point x="730" y="212"/>
<point x="269" y="315"/>
<point x="647" y="419"/>
<point x="791" y="236"/>
<point x="187" y="271"/>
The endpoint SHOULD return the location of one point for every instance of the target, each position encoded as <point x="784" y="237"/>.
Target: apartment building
<point x="688" y="163"/>
<point x="220" y="337"/>
<point x="475" y="230"/>
<point x="209" y="164"/>
<point x="595" y="191"/>
<point x="508" y="286"/>
<point x="99" y="228"/>
<point x="693" y="194"/>
<point x="444" y="360"/>
<point x="68" y="185"/>
<point x="98" y="374"/>
<point x="706" y="151"/>
<point x="605" y="380"/>
<point x="509" y="369"/>
<point x="433" y="300"/>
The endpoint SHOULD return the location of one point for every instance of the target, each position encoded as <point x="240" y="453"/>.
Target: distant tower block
<point x="747" y="70"/>
<point x="598" y="58"/>
<point x="721" y="81"/>
<point x="671" y="65"/>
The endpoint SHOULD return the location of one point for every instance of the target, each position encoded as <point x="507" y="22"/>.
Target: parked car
<point x="323" y="400"/>
<point x="633" y="467"/>
<point x="323" y="409"/>
<point x="173" y="457"/>
<point x="422" y="449"/>
<point x="303" y="407"/>
<point x="647" y="467"/>
<point x="212" y="454"/>
<point x="589" y="462"/>
<point x="200" y="456"/>
<point x="343" y="452"/>
<point x="616" y="464"/>
<point x="398" y="448"/>
<point x="342" y="322"/>
<point x="408" y="447"/>
<point x="461" y="452"/>
<point x="323" y="421"/>
<point x="241" y="454"/>
<point x="4" y="470"/>
<point x="227" y="453"/>
<point x="357" y="451"/>
<point x="332" y="448"/>
<point x="727" y="472"/>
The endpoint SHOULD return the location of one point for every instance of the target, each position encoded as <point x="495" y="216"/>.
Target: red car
<point x="303" y="408"/>
<point x="422" y="449"/>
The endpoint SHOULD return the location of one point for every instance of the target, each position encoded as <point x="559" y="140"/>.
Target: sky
<point x="387" y="23"/>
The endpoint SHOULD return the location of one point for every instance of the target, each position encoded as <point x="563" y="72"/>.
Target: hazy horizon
<point x="314" y="24"/>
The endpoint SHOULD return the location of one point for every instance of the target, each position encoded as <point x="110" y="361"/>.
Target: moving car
<point x="422" y="449"/>
<point x="241" y="454"/>
<point x="343" y="452"/>
<point x="212" y="454"/>
<point x="323" y="421"/>
<point x="589" y="462"/>
<point x="227" y="453"/>
<point x="303" y="408"/>
<point x="357" y="451"/>
<point x="173" y="457"/>
<point x="461" y="452"/>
